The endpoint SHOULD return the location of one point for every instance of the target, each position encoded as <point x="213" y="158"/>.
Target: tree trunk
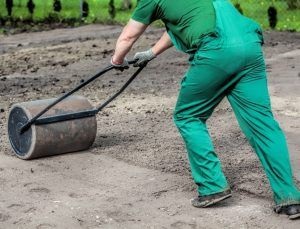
<point x="111" y="9"/>
<point x="9" y="6"/>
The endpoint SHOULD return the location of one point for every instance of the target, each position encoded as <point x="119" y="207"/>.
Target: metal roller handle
<point x="64" y="96"/>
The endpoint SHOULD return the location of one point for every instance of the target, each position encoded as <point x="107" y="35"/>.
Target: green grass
<point x="3" y="11"/>
<point x="257" y="10"/>
<point x="20" y="10"/>
<point x="70" y="9"/>
<point x="42" y="10"/>
<point x="98" y="12"/>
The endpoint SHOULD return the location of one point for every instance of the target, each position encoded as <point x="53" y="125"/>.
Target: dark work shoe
<point x="205" y="201"/>
<point x="293" y="210"/>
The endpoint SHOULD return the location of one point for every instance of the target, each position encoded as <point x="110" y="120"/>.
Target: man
<point x="226" y="59"/>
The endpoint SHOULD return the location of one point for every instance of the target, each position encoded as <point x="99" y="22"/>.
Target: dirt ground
<point x="136" y="175"/>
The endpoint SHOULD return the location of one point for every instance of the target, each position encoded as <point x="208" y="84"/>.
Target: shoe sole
<point x="295" y="216"/>
<point x="214" y="201"/>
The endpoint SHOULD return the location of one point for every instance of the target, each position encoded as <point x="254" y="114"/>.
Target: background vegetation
<point x="288" y="12"/>
<point x="114" y="11"/>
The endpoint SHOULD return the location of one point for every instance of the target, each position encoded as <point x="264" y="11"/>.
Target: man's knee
<point x="184" y="120"/>
<point x="177" y="118"/>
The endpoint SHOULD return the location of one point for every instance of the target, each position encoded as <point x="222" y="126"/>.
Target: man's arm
<point x="131" y="32"/>
<point x="162" y="45"/>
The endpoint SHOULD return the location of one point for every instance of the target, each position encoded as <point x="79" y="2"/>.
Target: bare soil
<point x="136" y="175"/>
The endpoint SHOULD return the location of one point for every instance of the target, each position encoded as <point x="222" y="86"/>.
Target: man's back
<point x="186" y="19"/>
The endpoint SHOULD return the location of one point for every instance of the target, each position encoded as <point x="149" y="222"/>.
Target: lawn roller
<point x="35" y="130"/>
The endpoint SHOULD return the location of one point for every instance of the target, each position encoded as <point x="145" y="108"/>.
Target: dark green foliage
<point x="30" y="6"/>
<point x="272" y="15"/>
<point x="57" y="6"/>
<point x="111" y="9"/>
<point x="239" y="8"/>
<point x="85" y="9"/>
<point x="293" y="4"/>
<point x="9" y="6"/>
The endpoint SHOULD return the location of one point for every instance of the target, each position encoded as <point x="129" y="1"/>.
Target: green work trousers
<point x="229" y="64"/>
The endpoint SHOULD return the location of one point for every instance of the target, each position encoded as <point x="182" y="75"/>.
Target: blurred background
<point x="271" y="14"/>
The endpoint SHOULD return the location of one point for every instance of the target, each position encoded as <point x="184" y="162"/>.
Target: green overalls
<point x="229" y="63"/>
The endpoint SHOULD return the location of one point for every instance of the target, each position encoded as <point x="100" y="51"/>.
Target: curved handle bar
<point x="27" y="125"/>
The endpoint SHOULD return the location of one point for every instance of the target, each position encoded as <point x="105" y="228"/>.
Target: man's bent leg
<point x="196" y="101"/>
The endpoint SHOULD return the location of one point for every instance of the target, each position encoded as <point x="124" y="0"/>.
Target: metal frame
<point x="83" y="114"/>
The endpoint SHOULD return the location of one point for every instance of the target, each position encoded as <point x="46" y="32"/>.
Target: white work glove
<point x="121" y="67"/>
<point x="143" y="58"/>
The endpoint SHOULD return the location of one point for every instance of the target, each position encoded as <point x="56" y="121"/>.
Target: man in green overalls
<point x="226" y="59"/>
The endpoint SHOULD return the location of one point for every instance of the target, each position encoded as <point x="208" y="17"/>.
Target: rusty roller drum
<point x="54" y="138"/>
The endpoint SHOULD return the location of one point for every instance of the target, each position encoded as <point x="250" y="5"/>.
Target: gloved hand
<point x="121" y="67"/>
<point x="143" y="57"/>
